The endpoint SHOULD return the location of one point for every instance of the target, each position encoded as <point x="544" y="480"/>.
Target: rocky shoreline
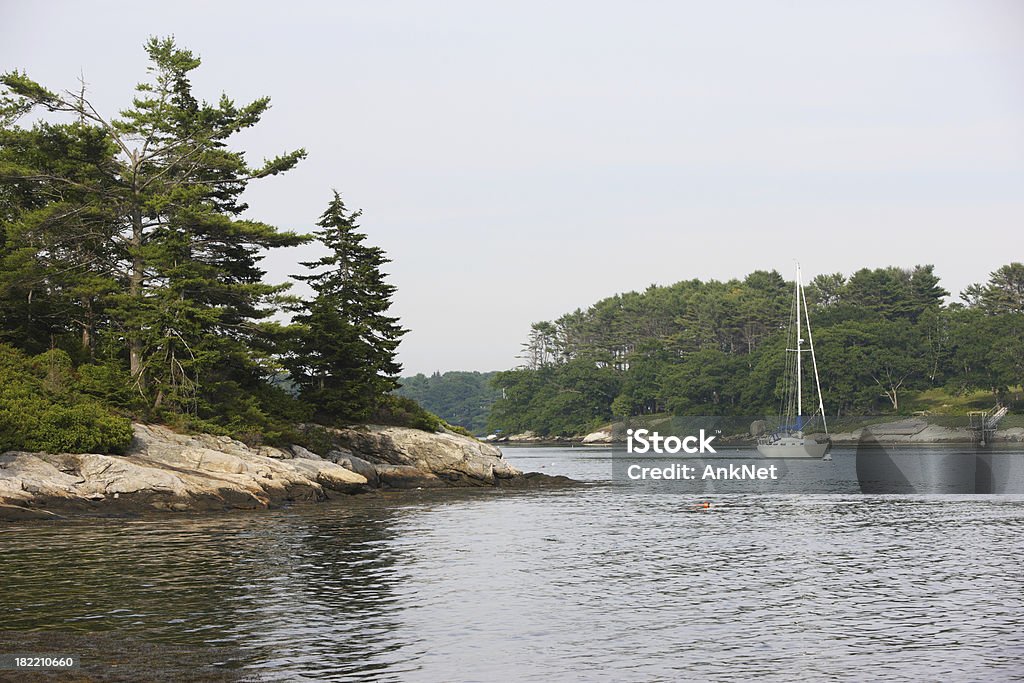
<point x="163" y="470"/>
<point x="902" y="431"/>
<point x="920" y="431"/>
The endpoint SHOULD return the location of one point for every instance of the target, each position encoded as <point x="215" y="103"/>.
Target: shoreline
<point x="901" y="431"/>
<point x="163" y="471"/>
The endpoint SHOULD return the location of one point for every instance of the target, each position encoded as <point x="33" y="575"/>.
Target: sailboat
<point x="789" y="440"/>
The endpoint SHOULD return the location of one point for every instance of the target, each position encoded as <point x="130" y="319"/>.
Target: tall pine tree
<point x="344" y="357"/>
<point x="191" y="308"/>
<point x="57" y="253"/>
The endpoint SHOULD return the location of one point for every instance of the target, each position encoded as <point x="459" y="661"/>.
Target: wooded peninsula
<point x="131" y="286"/>
<point x="887" y="342"/>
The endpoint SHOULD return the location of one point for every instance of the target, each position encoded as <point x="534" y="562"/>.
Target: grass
<point x="940" y="402"/>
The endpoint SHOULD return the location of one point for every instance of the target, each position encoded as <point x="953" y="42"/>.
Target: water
<point x="573" y="584"/>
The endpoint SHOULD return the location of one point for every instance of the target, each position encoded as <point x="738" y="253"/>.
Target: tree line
<point x="718" y="348"/>
<point x="460" y="398"/>
<point x="131" y="276"/>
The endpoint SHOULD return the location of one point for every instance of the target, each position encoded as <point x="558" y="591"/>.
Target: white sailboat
<point x="789" y="440"/>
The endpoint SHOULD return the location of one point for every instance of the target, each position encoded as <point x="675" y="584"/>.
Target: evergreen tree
<point x="191" y="306"/>
<point x="57" y="260"/>
<point x="1004" y="292"/>
<point x="344" y="358"/>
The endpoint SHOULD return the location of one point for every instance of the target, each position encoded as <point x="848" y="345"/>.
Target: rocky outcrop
<point x="525" y="437"/>
<point x="1011" y="435"/>
<point x="920" y="431"/>
<point x="411" y="458"/>
<point x="164" y="470"/>
<point x="600" y="436"/>
<point x="909" y="431"/>
<point x="534" y="438"/>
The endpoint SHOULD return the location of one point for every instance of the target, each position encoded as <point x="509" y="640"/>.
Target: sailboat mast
<point x="814" y="362"/>
<point x="799" y="342"/>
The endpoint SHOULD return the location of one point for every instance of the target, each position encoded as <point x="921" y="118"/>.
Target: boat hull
<point x="790" y="447"/>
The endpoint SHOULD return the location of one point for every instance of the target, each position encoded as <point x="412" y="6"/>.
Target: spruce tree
<point x="191" y="307"/>
<point x="344" y="359"/>
<point x="57" y="259"/>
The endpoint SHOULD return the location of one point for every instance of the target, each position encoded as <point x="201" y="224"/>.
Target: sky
<point x="520" y="160"/>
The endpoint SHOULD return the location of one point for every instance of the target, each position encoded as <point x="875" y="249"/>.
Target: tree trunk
<point x="135" y="291"/>
<point x="87" y="326"/>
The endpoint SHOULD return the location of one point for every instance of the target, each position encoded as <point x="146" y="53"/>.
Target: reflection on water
<point x="584" y="584"/>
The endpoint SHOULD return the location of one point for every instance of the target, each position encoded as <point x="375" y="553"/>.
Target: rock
<point x="1011" y="434"/>
<point x="525" y="437"/>
<point x="901" y="428"/>
<point x="275" y="453"/>
<point x="301" y="452"/>
<point x="938" y="434"/>
<point x="15" y="513"/>
<point x="171" y="472"/>
<point x="107" y="475"/>
<point x="600" y="436"/>
<point x="24" y="477"/>
<point x="346" y="459"/>
<point x="847" y="438"/>
<point x="452" y="458"/>
<point x="331" y="475"/>
<point x="532" y="480"/>
<point x="909" y="431"/>
<point x="407" y="477"/>
<point x="758" y="428"/>
<point x="163" y="470"/>
<point x="338" y="454"/>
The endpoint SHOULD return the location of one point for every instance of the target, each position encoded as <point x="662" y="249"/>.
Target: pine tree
<point x="191" y="305"/>
<point x="344" y="359"/>
<point x="57" y="269"/>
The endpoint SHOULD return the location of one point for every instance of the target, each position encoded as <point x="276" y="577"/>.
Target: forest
<point x="887" y="341"/>
<point x="461" y="398"/>
<point x="131" y="284"/>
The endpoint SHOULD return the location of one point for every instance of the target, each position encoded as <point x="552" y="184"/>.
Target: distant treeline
<point x="719" y="348"/>
<point x="460" y="398"/>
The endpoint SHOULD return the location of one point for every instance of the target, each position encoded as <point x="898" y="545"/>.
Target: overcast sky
<point x="520" y="160"/>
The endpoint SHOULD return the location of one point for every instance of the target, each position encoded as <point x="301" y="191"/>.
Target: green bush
<point x="41" y="411"/>
<point x="255" y="415"/>
<point x="314" y="437"/>
<point x="110" y="384"/>
<point x="458" y="429"/>
<point x="83" y="428"/>
<point x="400" y="411"/>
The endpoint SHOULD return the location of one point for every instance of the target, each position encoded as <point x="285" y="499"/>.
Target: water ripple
<point x="584" y="584"/>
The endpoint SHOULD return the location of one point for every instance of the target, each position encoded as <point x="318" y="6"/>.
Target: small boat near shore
<point x="790" y="440"/>
<point x="794" y="445"/>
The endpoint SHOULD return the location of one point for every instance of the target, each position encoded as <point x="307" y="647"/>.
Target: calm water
<point x="577" y="584"/>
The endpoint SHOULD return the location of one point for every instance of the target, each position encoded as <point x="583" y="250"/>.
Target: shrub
<point x="458" y="429"/>
<point x="83" y="428"/>
<point x="40" y="411"/>
<point x="110" y="384"/>
<point x="400" y="411"/>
